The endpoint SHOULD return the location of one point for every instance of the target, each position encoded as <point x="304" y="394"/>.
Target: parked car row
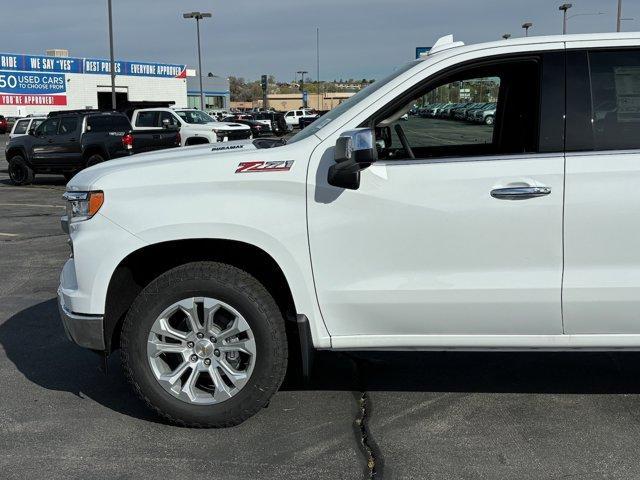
<point x="66" y="142"/>
<point x="477" y="112"/>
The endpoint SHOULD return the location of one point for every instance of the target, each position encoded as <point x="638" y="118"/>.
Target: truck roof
<point x="447" y="42"/>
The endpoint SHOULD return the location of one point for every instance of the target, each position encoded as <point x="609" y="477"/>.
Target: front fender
<point x="297" y="271"/>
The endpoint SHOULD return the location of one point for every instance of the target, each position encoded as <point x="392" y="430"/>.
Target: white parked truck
<point x="196" y="126"/>
<point x="372" y="233"/>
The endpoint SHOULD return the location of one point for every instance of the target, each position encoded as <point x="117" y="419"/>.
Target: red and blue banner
<point x="29" y="88"/>
<point x="30" y="63"/>
<point x="41" y="80"/>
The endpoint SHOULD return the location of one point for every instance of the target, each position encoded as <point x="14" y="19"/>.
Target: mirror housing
<point x="32" y="132"/>
<point x="355" y="150"/>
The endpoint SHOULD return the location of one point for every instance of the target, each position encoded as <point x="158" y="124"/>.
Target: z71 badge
<point x="249" y="167"/>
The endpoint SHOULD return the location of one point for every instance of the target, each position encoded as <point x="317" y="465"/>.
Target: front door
<point x="43" y="143"/>
<point x="457" y="229"/>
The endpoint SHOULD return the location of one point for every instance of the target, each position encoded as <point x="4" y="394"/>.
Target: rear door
<point x="601" y="287"/>
<point x="67" y="143"/>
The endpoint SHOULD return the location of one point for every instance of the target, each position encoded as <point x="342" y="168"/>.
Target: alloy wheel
<point x="201" y="350"/>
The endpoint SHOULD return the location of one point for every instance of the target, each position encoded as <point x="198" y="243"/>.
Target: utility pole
<point x="564" y="7"/>
<point x="199" y="16"/>
<point x="619" y="19"/>
<point x="318" y="64"/>
<point x="112" y="59"/>
<point x="527" y="26"/>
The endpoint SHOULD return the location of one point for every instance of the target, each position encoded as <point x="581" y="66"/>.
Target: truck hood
<point x="87" y="178"/>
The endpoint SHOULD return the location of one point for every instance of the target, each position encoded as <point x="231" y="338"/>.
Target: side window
<point x="290" y="114"/>
<point x="48" y="127"/>
<point x="67" y="125"/>
<point x="615" y="99"/>
<point x="298" y="113"/>
<point x="173" y="121"/>
<point x="36" y="123"/>
<point x="482" y="111"/>
<point x="147" y="119"/>
<point x="21" y="127"/>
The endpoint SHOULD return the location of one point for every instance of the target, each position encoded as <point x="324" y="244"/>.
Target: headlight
<point x="83" y="205"/>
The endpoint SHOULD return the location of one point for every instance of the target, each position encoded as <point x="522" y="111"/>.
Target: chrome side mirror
<point x="355" y="150"/>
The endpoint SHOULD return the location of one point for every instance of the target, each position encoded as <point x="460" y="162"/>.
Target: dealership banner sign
<point x="41" y="80"/>
<point x="28" y="88"/>
<point x="30" y="63"/>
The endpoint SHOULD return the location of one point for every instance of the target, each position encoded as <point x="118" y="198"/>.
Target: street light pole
<point x="112" y="59"/>
<point x="302" y="72"/>
<point x="619" y="19"/>
<point x="527" y="26"/>
<point x="564" y="7"/>
<point x="199" y="16"/>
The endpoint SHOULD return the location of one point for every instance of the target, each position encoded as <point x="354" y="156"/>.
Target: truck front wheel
<point x="204" y="345"/>
<point x="19" y="172"/>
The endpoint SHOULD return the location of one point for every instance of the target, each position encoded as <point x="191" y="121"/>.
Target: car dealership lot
<point x="430" y="415"/>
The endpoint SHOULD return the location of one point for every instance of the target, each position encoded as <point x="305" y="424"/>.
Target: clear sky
<point x="358" y="38"/>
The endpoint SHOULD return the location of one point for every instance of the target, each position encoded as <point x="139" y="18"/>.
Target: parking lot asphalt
<point x="441" y="415"/>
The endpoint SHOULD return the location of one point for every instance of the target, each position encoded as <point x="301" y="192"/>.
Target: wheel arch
<point x="196" y="141"/>
<point x="94" y="149"/>
<point x="18" y="150"/>
<point x="141" y="266"/>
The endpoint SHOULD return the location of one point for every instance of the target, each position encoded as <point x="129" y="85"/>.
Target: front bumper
<point x="85" y="330"/>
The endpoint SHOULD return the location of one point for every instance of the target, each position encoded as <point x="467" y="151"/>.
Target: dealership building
<point x="31" y="84"/>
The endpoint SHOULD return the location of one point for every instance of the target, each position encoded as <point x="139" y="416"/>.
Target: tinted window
<point x="21" y="127"/>
<point x="36" y="123"/>
<point x="148" y="119"/>
<point x="108" y="123"/>
<point x="615" y="99"/>
<point x="173" y="121"/>
<point x="68" y="125"/>
<point x="49" y="127"/>
<point x="485" y="110"/>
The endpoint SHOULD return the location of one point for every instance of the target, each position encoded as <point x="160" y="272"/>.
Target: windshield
<point x="195" y="116"/>
<point x="350" y="102"/>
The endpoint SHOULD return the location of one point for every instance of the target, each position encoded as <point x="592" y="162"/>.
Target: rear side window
<point x="615" y="99"/>
<point x="67" y="125"/>
<point x="147" y="119"/>
<point x="108" y="123"/>
<point x="21" y="127"/>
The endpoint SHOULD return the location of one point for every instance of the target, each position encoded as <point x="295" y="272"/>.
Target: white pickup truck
<point x="196" y="126"/>
<point x="292" y="117"/>
<point x="371" y="233"/>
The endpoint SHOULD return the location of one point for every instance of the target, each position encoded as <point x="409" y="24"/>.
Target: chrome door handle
<point x="520" y="193"/>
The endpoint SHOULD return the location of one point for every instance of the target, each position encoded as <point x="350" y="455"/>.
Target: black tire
<point x="94" y="159"/>
<point x="245" y="294"/>
<point x="488" y="120"/>
<point x="19" y="172"/>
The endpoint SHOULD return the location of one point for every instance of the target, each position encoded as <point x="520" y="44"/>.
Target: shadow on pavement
<point x="35" y="342"/>
<point x="52" y="180"/>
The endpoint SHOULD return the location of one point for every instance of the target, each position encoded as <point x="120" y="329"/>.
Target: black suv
<point x="67" y="142"/>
